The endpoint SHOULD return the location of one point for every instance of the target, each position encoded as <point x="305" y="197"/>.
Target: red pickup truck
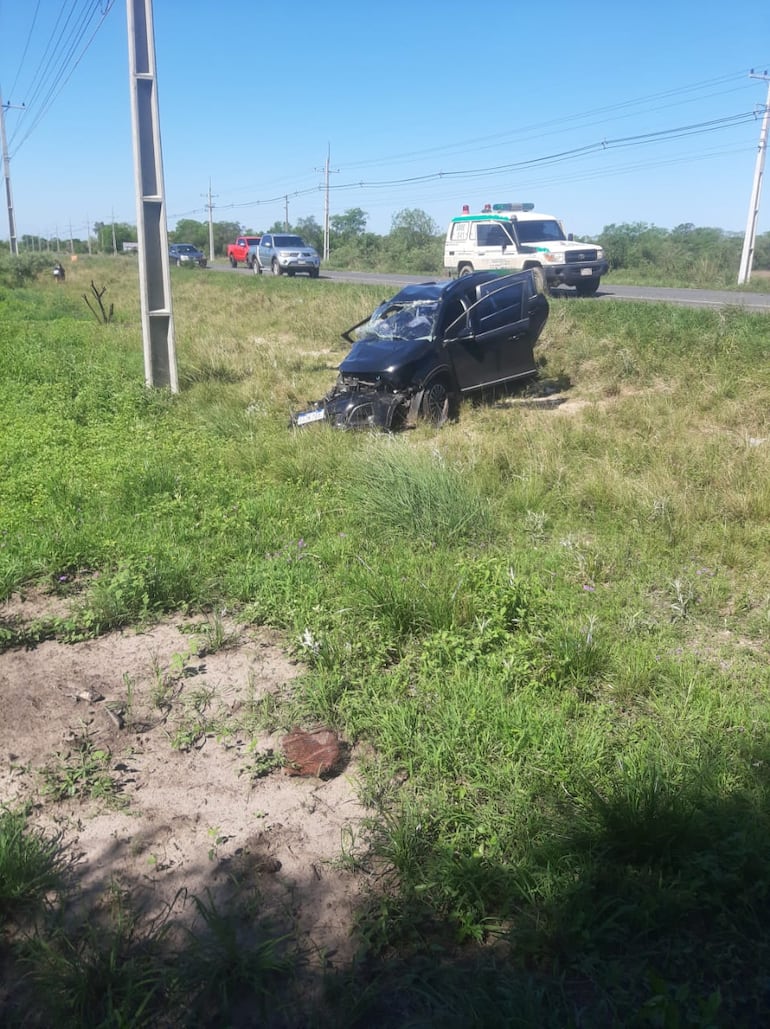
<point x="243" y="249"/>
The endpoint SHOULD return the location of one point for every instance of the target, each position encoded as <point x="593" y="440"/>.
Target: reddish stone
<point x="318" y="752"/>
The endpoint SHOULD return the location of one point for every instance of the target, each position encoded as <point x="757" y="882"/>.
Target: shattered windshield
<point x="413" y="320"/>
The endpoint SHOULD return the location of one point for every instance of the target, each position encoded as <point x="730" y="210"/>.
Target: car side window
<point x="455" y="319"/>
<point x="498" y="307"/>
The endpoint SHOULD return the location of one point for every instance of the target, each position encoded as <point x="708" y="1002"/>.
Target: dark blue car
<point x="185" y="255"/>
<point x="420" y="351"/>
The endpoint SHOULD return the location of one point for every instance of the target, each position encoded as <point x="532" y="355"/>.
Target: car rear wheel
<point x="275" y="267"/>
<point x="465" y="269"/>
<point x="438" y="402"/>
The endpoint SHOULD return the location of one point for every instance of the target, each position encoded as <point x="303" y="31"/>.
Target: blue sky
<point x="598" y="113"/>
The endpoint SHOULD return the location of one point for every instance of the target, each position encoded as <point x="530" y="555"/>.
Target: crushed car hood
<point x="383" y="355"/>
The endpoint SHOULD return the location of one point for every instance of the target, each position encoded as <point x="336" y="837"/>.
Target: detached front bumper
<point x="364" y="409"/>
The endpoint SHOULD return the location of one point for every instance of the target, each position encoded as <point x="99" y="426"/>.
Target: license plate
<point x="586" y="271"/>
<point x="310" y="416"/>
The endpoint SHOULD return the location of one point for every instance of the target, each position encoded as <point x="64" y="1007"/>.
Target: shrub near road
<point x="549" y="625"/>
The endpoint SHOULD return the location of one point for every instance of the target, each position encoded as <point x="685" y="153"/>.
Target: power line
<point x="526" y="133"/>
<point x="26" y="47"/>
<point x="548" y="160"/>
<point x="60" y="68"/>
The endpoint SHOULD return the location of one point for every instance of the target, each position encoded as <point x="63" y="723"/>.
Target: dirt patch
<point x="140" y="747"/>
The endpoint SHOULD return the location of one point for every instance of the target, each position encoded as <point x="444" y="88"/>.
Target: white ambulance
<point x="514" y="236"/>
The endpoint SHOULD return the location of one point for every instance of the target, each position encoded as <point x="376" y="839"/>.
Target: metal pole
<point x="7" y="176"/>
<point x="747" y="255"/>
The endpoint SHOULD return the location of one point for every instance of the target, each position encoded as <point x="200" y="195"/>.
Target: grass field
<point x="549" y="625"/>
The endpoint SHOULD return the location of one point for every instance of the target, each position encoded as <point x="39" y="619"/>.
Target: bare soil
<point x="188" y="800"/>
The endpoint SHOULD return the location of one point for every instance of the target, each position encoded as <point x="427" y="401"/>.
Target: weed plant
<point x="32" y="866"/>
<point x="548" y="624"/>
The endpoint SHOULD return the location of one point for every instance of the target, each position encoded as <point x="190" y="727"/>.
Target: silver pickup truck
<point x="283" y="254"/>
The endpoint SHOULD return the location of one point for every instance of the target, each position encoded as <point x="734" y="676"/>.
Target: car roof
<point x="446" y="288"/>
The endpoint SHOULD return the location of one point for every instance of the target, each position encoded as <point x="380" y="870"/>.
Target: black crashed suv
<point x="431" y="343"/>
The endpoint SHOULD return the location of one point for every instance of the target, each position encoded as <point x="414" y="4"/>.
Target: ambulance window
<point x="492" y="235"/>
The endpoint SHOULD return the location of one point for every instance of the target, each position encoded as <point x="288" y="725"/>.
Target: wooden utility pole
<point x="152" y="231"/>
<point x="747" y="255"/>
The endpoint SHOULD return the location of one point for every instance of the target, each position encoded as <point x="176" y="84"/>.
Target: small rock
<point x="90" y="696"/>
<point x="314" y="753"/>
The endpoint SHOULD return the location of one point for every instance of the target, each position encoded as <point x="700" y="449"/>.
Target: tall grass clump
<point x="32" y="865"/>
<point x="396" y="490"/>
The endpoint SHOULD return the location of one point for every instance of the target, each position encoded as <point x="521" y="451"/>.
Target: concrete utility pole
<point x="327" y="170"/>
<point x="7" y="176"/>
<point x="747" y="255"/>
<point x="210" y="206"/>
<point x="152" y="231"/>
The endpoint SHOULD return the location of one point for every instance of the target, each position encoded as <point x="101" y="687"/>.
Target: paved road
<point x="687" y="297"/>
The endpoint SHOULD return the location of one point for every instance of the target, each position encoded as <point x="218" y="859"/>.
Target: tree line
<point x="415" y="244"/>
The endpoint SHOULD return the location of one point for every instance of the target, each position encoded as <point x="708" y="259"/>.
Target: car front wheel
<point x="233" y="263"/>
<point x="314" y="273"/>
<point x="438" y="402"/>
<point x="275" y="267"/>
